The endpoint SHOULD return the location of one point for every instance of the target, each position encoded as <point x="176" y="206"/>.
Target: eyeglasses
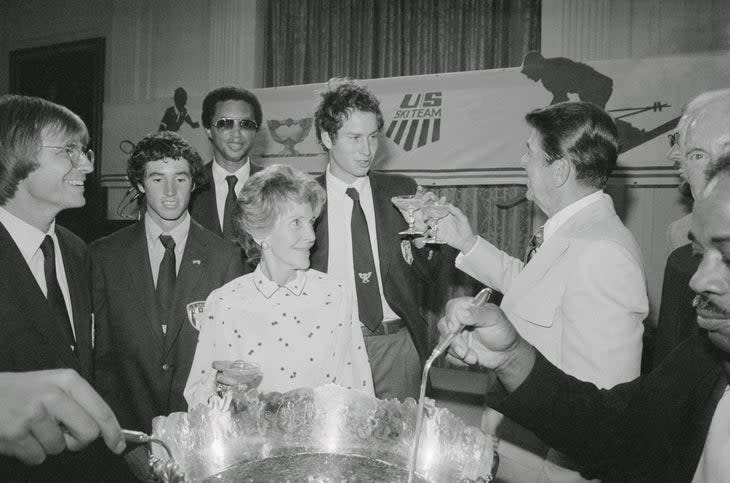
<point x="673" y="139"/>
<point x="74" y="152"/>
<point x="226" y="124"/>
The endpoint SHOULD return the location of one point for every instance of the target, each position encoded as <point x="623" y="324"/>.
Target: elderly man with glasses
<point x="231" y="118"/>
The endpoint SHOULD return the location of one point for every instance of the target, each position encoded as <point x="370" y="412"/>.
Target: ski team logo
<point x="417" y="121"/>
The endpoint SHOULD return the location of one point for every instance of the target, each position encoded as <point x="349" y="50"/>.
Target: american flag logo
<point x="417" y="121"/>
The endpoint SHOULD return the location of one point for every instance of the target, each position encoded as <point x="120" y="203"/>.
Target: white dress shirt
<point x="339" y="216"/>
<point x="221" y="185"/>
<point x="28" y="239"/>
<point x="156" y="249"/>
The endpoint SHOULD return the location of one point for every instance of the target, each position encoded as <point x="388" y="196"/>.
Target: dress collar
<point x="268" y="287"/>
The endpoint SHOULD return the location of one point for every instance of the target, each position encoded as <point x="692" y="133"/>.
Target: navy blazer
<point x="140" y="371"/>
<point x="652" y="429"/>
<point x="404" y="284"/>
<point x="31" y="340"/>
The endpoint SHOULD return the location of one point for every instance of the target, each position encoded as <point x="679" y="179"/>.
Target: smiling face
<point x="167" y="185"/>
<point x="353" y="150"/>
<point x="231" y="146"/>
<point x="710" y="237"/>
<point x="56" y="184"/>
<point x="289" y="242"/>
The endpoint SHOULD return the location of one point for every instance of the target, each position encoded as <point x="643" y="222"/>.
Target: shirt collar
<point x="179" y="233"/>
<point x="338" y="186"/>
<point x="27" y="237"/>
<point x="220" y="174"/>
<point x="268" y="287"/>
<point x="559" y="218"/>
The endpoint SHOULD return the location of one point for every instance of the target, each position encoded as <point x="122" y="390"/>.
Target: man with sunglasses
<point x="701" y="137"/>
<point x="231" y="117"/>
<point x="45" y="305"/>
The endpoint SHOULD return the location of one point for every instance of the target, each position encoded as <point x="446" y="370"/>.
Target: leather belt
<point x="388" y="327"/>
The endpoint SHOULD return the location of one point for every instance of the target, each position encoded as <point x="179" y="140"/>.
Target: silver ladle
<point x="480" y="299"/>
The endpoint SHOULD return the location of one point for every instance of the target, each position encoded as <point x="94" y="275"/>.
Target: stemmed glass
<point x="409" y="204"/>
<point x="433" y="211"/>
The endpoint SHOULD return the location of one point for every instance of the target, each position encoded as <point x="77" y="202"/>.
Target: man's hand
<point x="455" y="230"/>
<point x="492" y="342"/>
<point x="44" y="412"/>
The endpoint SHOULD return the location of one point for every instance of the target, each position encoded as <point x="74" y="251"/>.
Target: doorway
<point x="70" y="74"/>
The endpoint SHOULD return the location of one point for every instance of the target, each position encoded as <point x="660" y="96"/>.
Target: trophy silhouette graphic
<point x="289" y="133"/>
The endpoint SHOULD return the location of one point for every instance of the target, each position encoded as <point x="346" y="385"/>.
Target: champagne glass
<point x="409" y="204"/>
<point x="433" y="211"/>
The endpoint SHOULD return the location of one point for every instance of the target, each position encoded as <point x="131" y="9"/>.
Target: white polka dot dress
<point x="301" y="334"/>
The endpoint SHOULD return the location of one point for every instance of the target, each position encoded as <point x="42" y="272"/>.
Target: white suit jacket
<point x="582" y="298"/>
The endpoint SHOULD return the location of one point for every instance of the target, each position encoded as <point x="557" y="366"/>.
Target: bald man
<point x="701" y="138"/>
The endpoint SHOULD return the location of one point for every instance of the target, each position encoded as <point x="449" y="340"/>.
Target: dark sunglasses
<point x="226" y="124"/>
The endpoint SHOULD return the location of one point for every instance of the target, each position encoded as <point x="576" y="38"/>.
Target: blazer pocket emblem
<point x="365" y="277"/>
<point x="405" y="249"/>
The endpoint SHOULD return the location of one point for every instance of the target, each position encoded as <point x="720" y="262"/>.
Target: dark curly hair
<point x="160" y="145"/>
<point x="340" y="98"/>
<point x="230" y="93"/>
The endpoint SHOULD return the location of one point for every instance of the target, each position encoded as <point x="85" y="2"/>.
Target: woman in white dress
<point x="293" y="321"/>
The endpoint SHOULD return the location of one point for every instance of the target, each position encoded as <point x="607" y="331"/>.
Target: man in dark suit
<point x="702" y="136"/>
<point x="388" y="284"/>
<point x="143" y="278"/>
<point x="669" y="425"/>
<point x="45" y="304"/>
<point x="231" y="118"/>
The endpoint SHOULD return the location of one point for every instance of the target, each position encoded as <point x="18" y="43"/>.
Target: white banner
<point x="462" y="128"/>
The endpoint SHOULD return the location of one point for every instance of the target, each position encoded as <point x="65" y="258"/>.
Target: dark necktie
<point x="166" y="280"/>
<point x="534" y="244"/>
<point x="230" y="205"/>
<point x="54" y="294"/>
<point x="369" y="304"/>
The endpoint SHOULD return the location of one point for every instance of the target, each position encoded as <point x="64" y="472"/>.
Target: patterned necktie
<point x="369" y="304"/>
<point x="534" y="244"/>
<point x="166" y="280"/>
<point x="231" y="199"/>
<point x="54" y="294"/>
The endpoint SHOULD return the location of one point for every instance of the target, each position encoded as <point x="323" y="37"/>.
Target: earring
<point x="264" y="245"/>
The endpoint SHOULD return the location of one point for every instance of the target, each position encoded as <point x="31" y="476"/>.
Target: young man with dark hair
<point x="358" y="240"/>
<point x="231" y="117"/>
<point x="45" y="305"/>
<point x="143" y="278"/>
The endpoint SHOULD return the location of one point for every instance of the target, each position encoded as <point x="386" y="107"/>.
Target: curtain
<point x="310" y="41"/>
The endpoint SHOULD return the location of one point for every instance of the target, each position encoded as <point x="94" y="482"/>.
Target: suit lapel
<point x="77" y="276"/>
<point x="192" y="267"/>
<point x="384" y="222"/>
<point x="31" y="298"/>
<point x="319" y="257"/>
<point x="140" y="280"/>
<point x="205" y="205"/>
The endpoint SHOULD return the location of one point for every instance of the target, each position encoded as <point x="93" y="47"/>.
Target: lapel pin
<point x="196" y="262"/>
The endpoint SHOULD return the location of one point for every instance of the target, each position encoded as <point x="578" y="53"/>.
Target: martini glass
<point x="433" y="211"/>
<point x="409" y="204"/>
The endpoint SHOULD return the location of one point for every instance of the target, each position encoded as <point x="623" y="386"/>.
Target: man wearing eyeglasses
<point x="702" y="136"/>
<point x="45" y="305"/>
<point x="231" y="118"/>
